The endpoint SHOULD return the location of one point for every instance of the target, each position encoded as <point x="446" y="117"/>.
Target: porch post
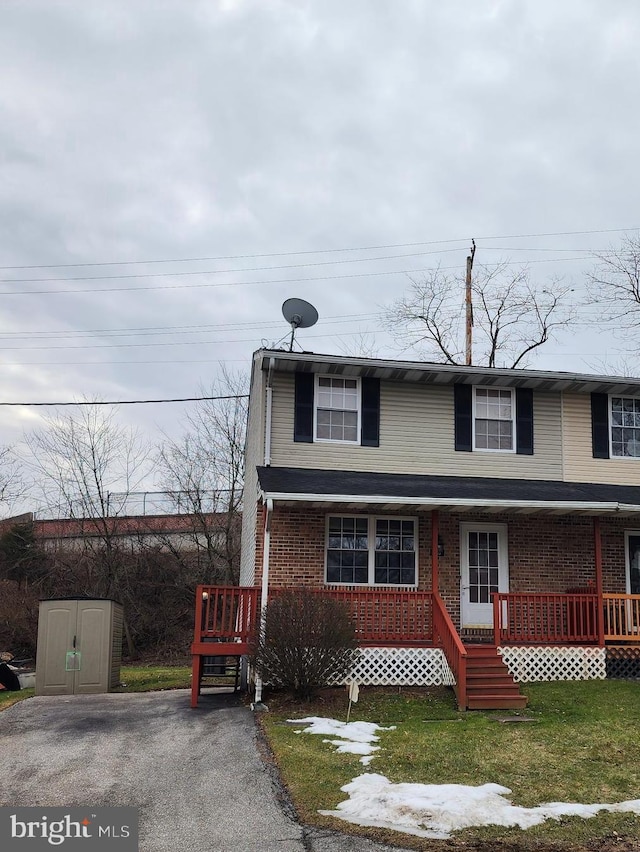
<point x="597" y="549"/>
<point x="435" y="525"/>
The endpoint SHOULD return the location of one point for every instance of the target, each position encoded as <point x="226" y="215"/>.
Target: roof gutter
<point x="377" y="499"/>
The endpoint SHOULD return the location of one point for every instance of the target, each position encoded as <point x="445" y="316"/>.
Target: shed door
<point x="483" y="569"/>
<point x="92" y="631"/>
<point x="56" y="629"/>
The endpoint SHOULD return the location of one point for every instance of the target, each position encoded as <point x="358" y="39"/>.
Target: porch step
<point x="497" y="702"/>
<point x="490" y="685"/>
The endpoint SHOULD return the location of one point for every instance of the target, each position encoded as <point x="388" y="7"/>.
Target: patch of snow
<point x="437" y="810"/>
<point x="355" y="737"/>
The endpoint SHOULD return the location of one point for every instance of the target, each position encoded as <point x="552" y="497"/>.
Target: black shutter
<point x="303" y="416"/>
<point x="524" y="421"/>
<point x="370" y="436"/>
<point x="462" y="405"/>
<point x="600" y="425"/>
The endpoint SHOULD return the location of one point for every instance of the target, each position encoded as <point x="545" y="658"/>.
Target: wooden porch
<point x="226" y="617"/>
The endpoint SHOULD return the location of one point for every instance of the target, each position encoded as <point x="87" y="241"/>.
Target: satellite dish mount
<point x="299" y="314"/>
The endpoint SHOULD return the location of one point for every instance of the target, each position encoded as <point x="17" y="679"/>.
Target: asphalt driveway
<point x="198" y="777"/>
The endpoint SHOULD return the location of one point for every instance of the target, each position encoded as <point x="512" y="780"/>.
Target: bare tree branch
<point x="614" y="285"/>
<point x="202" y="472"/>
<point x="512" y="317"/>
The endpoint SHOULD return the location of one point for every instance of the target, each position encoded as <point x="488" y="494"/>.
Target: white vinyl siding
<point x="254" y="453"/>
<point x="579" y="463"/>
<point x="416" y="436"/>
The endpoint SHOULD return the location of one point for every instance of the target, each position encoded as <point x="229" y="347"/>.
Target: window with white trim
<point x="371" y="551"/>
<point x="493" y="419"/>
<point x="337" y="409"/>
<point x="625" y="426"/>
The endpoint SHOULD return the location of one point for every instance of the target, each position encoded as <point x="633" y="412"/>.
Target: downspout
<point x="257" y="704"/>
<point x="269" y="407"/>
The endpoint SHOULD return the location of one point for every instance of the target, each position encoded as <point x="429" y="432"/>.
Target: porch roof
<point x="360" y="489"/>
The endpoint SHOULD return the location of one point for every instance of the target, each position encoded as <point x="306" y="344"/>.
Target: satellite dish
<point x="299" y="314"/>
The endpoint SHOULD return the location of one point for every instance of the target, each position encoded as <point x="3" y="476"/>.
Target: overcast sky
<point x="263" y="135"/>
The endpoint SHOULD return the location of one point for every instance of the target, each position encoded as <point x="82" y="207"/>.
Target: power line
<point x="268" y="281"/>
<point x="178" y="329"/>
<point x="313" y="251"/>
<point x="222" y="271"/>
<point x="130" y="401"/>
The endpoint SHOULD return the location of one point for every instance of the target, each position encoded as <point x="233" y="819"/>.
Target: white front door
<point x="484" y="569"/>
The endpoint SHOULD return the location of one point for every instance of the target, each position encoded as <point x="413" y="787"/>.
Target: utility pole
<point x="469" y="305"/>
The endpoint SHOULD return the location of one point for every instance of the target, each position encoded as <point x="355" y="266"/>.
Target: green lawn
<point x="150" y="678"/>
<point x="132" y="678"/>
<point x="583" y="746"/>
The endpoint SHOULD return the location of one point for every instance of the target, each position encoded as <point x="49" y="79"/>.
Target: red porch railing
<point x="388" y="617"/>
<point x="226" y="613"/>
<point x="446" y="635"/>
<point x="621" y="618"/>
<point x="545" y="618"/>
<point x="381" y="616"/>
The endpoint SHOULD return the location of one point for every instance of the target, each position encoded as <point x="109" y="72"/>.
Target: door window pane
<point x="482" y="555"/>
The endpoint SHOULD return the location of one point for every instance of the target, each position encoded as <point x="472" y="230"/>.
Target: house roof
<point x="422" y="372"/>
<point x="359" y="490"/>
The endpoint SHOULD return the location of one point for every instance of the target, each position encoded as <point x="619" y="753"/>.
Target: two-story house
<point x="478" y="521"/>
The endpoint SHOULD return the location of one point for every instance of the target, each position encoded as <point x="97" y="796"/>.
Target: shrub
<point x="308" y="641"/>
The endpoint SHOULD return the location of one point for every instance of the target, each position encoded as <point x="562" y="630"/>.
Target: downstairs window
<point x="371" y="551"/>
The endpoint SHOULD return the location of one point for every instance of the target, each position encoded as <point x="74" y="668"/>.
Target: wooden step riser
<point x="497" y="704"/>
<point x="489" y="670"/>
<point x="487" y="685"/>
<point x="494" y="689"/>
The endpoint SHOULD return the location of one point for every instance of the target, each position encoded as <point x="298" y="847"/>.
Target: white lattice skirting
<point x="535" y="663"/>
<point x="402" y="667"/>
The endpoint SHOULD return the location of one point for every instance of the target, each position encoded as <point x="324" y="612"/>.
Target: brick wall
<point x="546" y="554"/>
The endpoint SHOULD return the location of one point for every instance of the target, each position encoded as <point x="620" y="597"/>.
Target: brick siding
<point x="546" y="554"/>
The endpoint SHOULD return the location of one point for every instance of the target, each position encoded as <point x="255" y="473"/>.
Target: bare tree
<point x="202" y="472"/>
<point x="614" y="286"/>
<point x="77" y="458"/>
<point x="511" y="316"/>
<point x="12" y="480"/>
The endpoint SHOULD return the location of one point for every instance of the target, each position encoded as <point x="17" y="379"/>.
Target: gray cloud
<point x="171" y="130"/>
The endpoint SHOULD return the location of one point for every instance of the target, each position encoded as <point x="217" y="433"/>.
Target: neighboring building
<point x="131" y="532"/>
<point x="461" y="510"/>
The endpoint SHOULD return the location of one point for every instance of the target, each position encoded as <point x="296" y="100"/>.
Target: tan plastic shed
<point x="79" y="646"/>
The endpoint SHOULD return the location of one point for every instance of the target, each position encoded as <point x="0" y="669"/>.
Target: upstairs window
<point x="493" y="420"/>
<point x="337" y="411"/>
<point x="625" y="427"/>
